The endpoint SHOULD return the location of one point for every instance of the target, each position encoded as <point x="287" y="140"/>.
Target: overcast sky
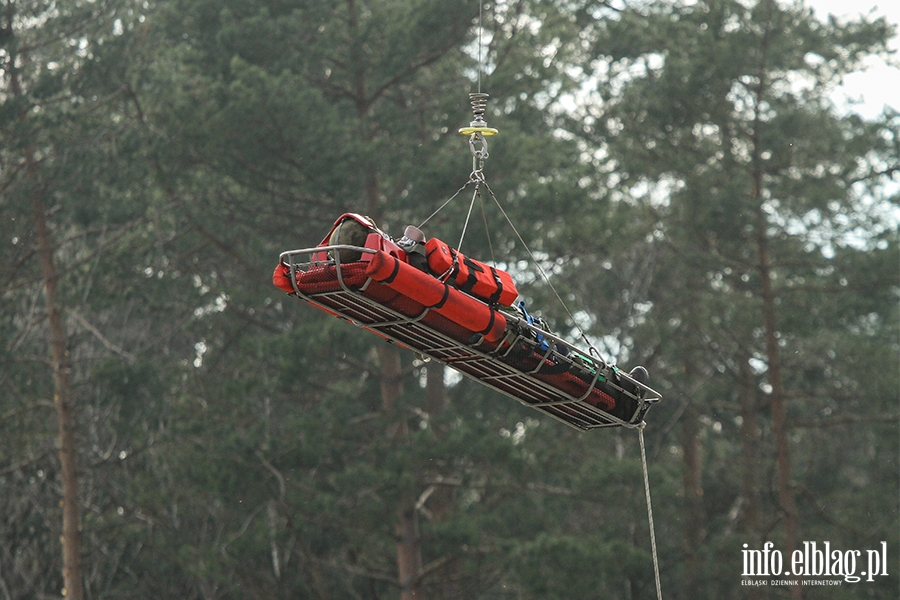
<point x="879" y="84"/>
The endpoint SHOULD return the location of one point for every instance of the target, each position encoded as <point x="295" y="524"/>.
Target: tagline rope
<point x="650" y="512"/>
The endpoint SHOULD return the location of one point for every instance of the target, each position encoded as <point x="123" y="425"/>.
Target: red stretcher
<point x="493" y="344"/>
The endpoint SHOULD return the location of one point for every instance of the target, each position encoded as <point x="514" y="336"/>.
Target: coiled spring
<point x="478" y="101"/>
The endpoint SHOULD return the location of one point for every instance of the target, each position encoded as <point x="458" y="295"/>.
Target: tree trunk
<point x="692" y="481"/>
<point x="694" y="529"/>
<point x="409" y="551"/>
<point x="62" y="371"/>
<point x="409" y="554"/>
<point x="443" y="498"/>
<point x="62" y="396"/>
<point x="435" y="391"/>
<point x="750" y="511"/>
<point x="782" y="452"/>
<point x="773" y="356"/>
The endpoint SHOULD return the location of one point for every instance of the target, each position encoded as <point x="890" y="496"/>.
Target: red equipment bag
<point x="444" y="300"/>
<point x="469" y="275"/>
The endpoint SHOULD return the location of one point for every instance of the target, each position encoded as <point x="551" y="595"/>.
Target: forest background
<point x="173" y="426"/>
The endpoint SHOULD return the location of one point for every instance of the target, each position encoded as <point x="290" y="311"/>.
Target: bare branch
<point x="28" y="461"/>
<point x="131" y="358"/>
<point x="21" y="409"/>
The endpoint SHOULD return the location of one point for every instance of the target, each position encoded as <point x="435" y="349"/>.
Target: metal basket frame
<point x="486" y="366"/>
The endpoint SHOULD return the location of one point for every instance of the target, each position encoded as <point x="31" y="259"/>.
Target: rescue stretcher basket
<point x="529" y="364"/>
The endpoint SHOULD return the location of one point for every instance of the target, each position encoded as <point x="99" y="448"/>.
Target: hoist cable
<point x="480" y="33"/>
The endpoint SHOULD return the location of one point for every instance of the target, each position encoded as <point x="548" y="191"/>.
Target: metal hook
<point x="478" y="138"/>
<point x="479" y="155"/>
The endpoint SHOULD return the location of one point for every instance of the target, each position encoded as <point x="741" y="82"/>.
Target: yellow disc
<point x="485" y="131"/>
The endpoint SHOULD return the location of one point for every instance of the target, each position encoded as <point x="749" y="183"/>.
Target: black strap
<point x="444" y="299"/>
<point x="393" y="274"/>
<point x="471" y="278"/>
<point x="495" y="297"/>
<point x="490" y="323"/>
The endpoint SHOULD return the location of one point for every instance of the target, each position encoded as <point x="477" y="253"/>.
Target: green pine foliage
<point x="236" y="443"/>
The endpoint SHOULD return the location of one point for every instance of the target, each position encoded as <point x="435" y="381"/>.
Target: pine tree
<point x="717" y="119"/>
